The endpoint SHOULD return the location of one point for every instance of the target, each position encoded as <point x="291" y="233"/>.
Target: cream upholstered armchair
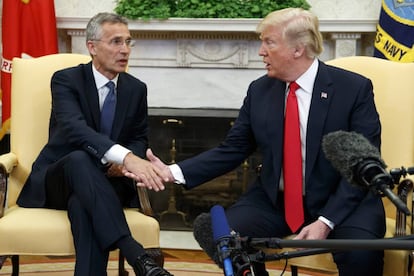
<point x="37" y="231"/>
<point x="394" y="97"/>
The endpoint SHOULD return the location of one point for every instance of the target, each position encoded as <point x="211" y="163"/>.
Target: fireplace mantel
<point x="221" y="25"/>
<point x="208" y="63"/>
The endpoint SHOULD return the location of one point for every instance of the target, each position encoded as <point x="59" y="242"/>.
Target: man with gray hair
<point x="98" y="131"/>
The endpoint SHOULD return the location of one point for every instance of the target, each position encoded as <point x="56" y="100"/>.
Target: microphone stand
<point x="242" y="260"/>
<point x="399" y="243"/>
<point x="261" y="256"/>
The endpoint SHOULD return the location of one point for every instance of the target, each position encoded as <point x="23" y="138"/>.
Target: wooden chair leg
<point x="15" y="265"/>
<point x="121" y="265"/>
<point x="294" y="270"/>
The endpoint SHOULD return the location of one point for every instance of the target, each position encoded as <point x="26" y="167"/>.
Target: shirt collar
<point x="307" y="79"/>
<point x="101" y="80"/>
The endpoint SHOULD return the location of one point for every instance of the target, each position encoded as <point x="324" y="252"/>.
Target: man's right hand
<point x="145" y="173"/>
<point x="165" y="169"/>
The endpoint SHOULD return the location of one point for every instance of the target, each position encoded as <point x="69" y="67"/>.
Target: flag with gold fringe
<point x="395" y="31"/>
<point x="28" y="29"/>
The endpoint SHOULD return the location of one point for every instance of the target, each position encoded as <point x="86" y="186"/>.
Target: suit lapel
<point x="122" y="104"/>
<point x="92" y="95"/>
<point x="275" y="122"/>
<point x="321" y="99"/>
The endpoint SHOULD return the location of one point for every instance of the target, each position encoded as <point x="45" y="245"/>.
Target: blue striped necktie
<point x="108" y="110"/>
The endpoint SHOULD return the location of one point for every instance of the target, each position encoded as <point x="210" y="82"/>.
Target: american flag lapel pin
<point x="324" y="95"/>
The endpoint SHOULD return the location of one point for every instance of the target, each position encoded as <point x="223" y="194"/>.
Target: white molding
<point x="189" y="55"/>
<point x="348" y="25"/>
<point x="221" y="25"/>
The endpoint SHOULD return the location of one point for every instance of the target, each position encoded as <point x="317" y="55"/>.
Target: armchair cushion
<point x="38" y="231"/>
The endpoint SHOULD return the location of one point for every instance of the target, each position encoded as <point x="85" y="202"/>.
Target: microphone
<point x="221" y="235"/>
<point x="360" y="163"/>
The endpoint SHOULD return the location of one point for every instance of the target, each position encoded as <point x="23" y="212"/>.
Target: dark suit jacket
<point x="75" y="120"/>
<point x="346" y="104"/>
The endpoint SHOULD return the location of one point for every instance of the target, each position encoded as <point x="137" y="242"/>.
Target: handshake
<point x="152" y="173"/>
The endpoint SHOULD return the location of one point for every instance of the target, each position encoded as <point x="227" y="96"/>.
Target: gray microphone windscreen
<point x="345" y="150"/>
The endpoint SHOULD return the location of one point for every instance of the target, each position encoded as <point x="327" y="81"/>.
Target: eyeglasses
<point x="118" y="42"/>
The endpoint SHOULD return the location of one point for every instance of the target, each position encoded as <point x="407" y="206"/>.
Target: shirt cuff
<point x="116" y="154"/>
<point x="327" y="222"/>
<point x="177" y="174"/>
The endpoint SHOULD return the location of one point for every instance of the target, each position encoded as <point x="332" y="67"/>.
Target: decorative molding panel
<point x="212" y="53"/>
<point x="209" y="63"/>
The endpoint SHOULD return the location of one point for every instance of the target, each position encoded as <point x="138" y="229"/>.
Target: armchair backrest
<point x="30" y="110"/>
<point x="394" y="97"/>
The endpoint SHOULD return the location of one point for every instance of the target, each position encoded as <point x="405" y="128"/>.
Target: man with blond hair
<point x="284" y="116"/>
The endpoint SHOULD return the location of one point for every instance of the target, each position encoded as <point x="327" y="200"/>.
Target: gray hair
<point x="94" y="27"/>
<point x="298" y="26"/>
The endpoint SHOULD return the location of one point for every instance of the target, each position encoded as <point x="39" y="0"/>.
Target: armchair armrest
<point x="7" y="163"/>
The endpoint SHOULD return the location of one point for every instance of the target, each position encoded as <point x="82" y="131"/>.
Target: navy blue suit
<point x="68" y="173"/>
<point x="341" y="100"/>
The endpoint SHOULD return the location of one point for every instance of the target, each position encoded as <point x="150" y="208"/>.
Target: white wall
<point x="323" y="8"/>
<point x="329" y="9"/>
<point x="346" y="9"/>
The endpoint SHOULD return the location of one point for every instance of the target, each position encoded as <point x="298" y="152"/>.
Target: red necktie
<point x="292" y="162"/>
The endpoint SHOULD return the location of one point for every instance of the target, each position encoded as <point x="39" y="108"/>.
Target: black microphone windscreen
<point x="203" y="234"/>
<point x="345" y="150"/>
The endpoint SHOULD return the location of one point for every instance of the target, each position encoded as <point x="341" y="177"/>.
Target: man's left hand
<point x="317" y="230"/>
